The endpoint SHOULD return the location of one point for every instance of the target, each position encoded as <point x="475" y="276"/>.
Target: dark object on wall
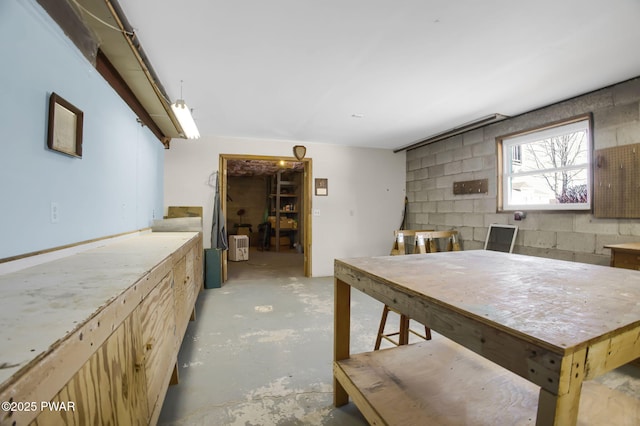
<point x="616" y="182"/>
<point x="479" y="186"/>
<point x="65" y="127"/>
<point x="299" y="151"/>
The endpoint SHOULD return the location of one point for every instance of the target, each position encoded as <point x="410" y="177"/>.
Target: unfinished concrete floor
<point x="260" y="351"/>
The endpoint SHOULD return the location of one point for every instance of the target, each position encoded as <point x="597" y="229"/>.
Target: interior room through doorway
<point x="266" y="203"/>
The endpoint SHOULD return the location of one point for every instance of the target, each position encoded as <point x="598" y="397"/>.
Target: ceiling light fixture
<point x="183" y="114"/>
<point x="184" y="117"/>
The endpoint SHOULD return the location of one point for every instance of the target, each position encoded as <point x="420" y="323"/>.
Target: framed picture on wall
<point x="322" y="186"/>
<point x="65" y="127"/>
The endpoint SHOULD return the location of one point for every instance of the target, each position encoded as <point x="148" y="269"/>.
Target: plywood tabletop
<point x="557" y="303"/>
<point x="42" y="304"/>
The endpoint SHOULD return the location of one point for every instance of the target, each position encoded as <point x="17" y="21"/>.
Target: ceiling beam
<point x="466" y="127"/>
<point x="111" y="75"/>
<point x="73" y="26"/>
<point x="102" y="33"/>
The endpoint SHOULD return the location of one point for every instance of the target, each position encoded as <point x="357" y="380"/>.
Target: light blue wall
<point x="116" y="187"/>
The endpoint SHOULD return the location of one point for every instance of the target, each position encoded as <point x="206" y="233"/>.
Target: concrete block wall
<point x="576" y="236"/>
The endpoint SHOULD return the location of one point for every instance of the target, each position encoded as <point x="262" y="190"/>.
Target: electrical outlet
<point x="316" y="212"/>
<point x="55" y="212"/>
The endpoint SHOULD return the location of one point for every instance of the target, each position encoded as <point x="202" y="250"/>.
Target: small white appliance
<point x="238" y="247"/>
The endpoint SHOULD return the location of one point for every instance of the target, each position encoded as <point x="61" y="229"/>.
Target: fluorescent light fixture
<point x="183" y="114"/>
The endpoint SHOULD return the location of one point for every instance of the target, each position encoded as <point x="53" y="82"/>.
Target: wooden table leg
<point x="403" y="337"/>
<point x="341" y="335"/>
<point x="562" y="409"/>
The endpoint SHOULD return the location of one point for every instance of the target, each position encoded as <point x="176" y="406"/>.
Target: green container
<point x="212" y="268"/>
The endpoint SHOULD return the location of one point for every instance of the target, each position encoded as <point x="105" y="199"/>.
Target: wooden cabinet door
<point x="109" y="389"/>
<point x="181" y="289"/>
<point x="157" y="318"/>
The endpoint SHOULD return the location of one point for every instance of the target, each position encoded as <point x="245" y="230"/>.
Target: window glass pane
<point x="553" y="153"/>
<point x="549" y="188"/>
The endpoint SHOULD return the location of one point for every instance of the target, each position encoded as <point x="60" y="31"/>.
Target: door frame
<point x="306" y="201"/>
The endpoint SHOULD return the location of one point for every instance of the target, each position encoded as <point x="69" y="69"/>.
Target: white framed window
<point x="547" y="168"/>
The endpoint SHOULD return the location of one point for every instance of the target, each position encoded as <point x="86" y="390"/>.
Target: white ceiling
<point x="301" y="69"/>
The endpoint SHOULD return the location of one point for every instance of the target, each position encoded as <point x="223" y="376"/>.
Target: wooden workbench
<point x="625" y="256"/>
<point x="99" y="329"/>
<point x="546" y="325"/>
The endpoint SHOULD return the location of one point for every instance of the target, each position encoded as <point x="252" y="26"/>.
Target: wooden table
<point x="625" y="255"/>
<point x="555" y="324"/>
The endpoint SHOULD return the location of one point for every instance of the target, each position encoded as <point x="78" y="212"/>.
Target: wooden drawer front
<point x="626" y="260"/>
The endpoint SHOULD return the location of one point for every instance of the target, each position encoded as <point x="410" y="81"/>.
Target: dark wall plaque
<point x="479" y="186"/>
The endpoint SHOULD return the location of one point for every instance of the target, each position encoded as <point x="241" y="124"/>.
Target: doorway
<point x="269" y="165"/>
